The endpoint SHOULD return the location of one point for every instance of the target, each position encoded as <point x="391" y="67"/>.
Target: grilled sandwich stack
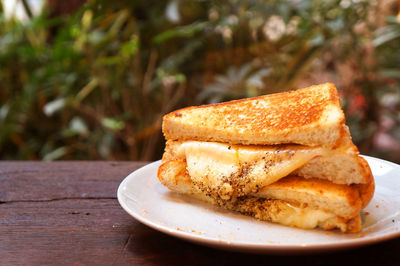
<point x="286" y="158"/>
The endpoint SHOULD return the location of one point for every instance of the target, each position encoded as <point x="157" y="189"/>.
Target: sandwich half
<point x="286" y="158"/>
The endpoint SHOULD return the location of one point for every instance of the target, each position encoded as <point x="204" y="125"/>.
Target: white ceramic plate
<point x="142" y="196"/>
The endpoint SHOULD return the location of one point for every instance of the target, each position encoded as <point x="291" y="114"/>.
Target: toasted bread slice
<point x="341" y="165"/>
<point x="294" y="201"/>
<point x="339" y="168"/>
<point x="345" y="201"/>
<point x="310" y="116"/>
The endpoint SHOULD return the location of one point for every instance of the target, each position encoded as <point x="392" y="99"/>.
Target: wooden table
<point x="66" y="213"/>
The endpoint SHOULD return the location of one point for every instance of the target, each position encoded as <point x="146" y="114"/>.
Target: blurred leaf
<point x="119" y="21"/>
<point x="79" y="126"/>
<point x="87" y="19"/>
<point x="393" y="19"/>
<point x="386" y="34"/>
<point x="113" y="124"/>
<point x="172" y="11"/>
<point x="56" y="105"/>
<point x="56" y="154"/>
<point x="184" y="32"/>
<point x="130" y="48"/>
<point x="391" y="73"/>
<point x="106" y="143"/>
<point x="107" y="61"/>
<point x="4" y="111"/>
<point x="85" y="91"/>
<point x="256" y="79"/>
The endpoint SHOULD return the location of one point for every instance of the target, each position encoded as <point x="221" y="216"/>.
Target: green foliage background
<point x="95" y="84"/>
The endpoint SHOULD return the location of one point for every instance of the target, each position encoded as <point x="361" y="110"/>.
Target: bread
<point x="310" y="116"/>
<point x="339" y="168"/>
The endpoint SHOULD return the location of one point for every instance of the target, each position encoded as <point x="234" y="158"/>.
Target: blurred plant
<point x="236" y="83"/>
<point x="386" y="140"/>
<point x="95" y="84"/>
<point x="283" y="40"/>
<point x="81" y="92"/>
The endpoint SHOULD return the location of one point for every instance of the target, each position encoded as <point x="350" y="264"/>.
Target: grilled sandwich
<point x="286" y="158"/>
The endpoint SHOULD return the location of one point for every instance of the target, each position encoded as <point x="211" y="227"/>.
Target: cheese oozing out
<point x="307" y="218"/>
<point x="285" y="213"/>
<point x="227" y="171"/>
<point x="277" y="211"/>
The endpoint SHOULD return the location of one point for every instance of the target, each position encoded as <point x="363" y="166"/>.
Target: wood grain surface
<point x="66" y="213"/>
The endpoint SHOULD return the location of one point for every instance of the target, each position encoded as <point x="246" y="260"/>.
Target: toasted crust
<point x="345" y="202"/>
<point x="340" y="168"/>
<point x="310" y="116"/>
<point x="366" y="190"/>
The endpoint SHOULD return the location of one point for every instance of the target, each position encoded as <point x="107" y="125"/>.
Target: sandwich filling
<point x="277" y="211"/>
<point x="230" y="171"/>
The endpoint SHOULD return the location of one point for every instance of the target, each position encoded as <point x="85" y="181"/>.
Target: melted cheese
<point x="307" y="218"/>
<point x="279" y="211"/>
<point x="222" y="170"/>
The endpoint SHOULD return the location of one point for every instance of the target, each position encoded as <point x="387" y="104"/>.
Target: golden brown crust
<point x="356" y="197"/>
<point x="352" y="225"/>
<point x="321" y="187"/>
<point x="354" y="193"/>
<point x="366" y="190"/>
<point x="310" y="116"/>
<point x="174" y="176"/>
<point x="363" y="164"/>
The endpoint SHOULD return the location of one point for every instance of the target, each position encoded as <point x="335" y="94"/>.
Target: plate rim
<point x="248" y="246"/>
